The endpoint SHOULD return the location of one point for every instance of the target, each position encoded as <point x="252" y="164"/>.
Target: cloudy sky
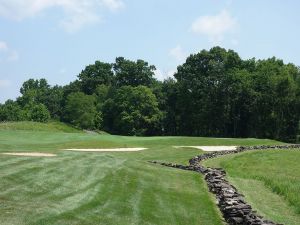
<point x="56" y="39"/>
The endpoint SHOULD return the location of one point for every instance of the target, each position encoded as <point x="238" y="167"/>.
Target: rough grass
<point x="103" y="188"/>
<point x="53" y="126"/>
<point x="270" y="180"/>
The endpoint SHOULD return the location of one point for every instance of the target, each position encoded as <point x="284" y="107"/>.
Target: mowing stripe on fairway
<point x="107" y="150"/>
<point x="30" y="154"/>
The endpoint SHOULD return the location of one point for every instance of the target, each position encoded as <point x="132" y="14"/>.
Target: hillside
<point x="54" y="126"/>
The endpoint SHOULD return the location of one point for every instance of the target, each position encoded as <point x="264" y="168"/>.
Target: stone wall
<point x="232" y="204"/>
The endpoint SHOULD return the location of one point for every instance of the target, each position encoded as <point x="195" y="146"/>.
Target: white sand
<point x="107" y="150"/>
<point x="31" y="154"/>
<point x="210" y="148"/>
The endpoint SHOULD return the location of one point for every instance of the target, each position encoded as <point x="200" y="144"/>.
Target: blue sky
<point x="56" y="39"/>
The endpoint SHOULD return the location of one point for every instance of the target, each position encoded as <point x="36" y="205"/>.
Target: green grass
<point x="102" y="188"/>
<point x="53" y="126"/>
<point x="270" y="181"/>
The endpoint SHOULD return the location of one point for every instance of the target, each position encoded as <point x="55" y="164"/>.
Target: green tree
<point x="38" y="91"/>
<point x="37" y="113"/>
<point x="11" y="111"/>
<point x="131" y="73"/>
<point x="33" y="84"/>
<point x="214" y="93"/>
<point x="169" y="106"/>
<point x="80" y="110"/>
<point x="101" y="94"/>
<point x="75" y="86"/>
<point x="202" y="91"/>
<point x="94" y="75"/>
<point x="132" y="111"/>
<point x="53" y="101"/>
<point x="276" y="104"/>
<point x="33" y="91"/>
<point x="238" y="104"/>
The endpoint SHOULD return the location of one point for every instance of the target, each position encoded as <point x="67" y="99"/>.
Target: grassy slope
<point x="269" y="180"/>
<point x="102" y="188"/>
<point x="53" y="126"/>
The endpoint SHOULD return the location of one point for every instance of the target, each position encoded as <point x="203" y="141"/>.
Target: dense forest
<point x="214" y="93"/>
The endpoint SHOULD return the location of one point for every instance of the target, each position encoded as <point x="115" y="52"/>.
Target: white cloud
<point x="159" y="74"/>
<point x="6" y="53"/>
<point x="215" y="26"/>
<point x="162" y="75"/>
<point x="20" y="9"/>
<point x="3" y="46"/>
<point x="113" y="5"/>
<point x="178" y="53"/>
<point x="171" y="73"/>
<point x="77" y="13"/>
<point x="5" y="83"/>
<point x="76" y="20"/>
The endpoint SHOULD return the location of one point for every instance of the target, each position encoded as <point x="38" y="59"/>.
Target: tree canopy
<point x="130" y="73"/>
<point x="132" y="111"/>
<point x="80" y="110"/>
<point x="213" y="93"/>
<point x="96" y="74"/>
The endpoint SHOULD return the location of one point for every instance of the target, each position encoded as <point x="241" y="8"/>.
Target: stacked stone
<point x="235" y="210"/>
<point x="197" y="159"/>
<point x="264" y="147"/>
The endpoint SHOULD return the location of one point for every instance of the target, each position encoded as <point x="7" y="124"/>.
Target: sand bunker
<point x="30" y="154"/>
<point x="210" y="148"/>
<point x="107" y="150"/>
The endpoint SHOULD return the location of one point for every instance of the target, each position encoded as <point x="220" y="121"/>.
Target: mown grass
<point x="103" y="188"/>
<point x="270" y="180"/>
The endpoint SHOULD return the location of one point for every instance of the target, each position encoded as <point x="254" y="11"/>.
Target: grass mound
<point x="53" y="126"/>
<point x="270" y="181"/>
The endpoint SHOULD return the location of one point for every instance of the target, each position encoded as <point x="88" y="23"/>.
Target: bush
<point x="39" y="113"/>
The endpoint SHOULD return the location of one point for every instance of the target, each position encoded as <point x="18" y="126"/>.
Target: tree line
<point x="213" y="93"/>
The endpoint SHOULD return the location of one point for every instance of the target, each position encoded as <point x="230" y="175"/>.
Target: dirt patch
<point x="30" y="154"/>
<point x="107" y="150"/>
<point x="210" y="148"/>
